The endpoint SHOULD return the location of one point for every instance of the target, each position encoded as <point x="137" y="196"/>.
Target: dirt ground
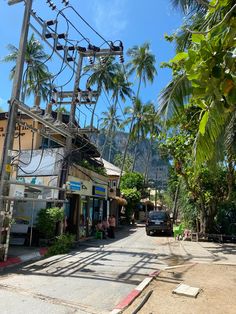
<point x="217" y="295"/>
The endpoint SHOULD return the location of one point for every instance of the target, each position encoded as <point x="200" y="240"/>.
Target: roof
<point x="111" y="169"/>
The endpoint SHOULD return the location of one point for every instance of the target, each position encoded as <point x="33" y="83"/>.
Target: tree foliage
<point x="132" y="180"/>
<point x="199" y="108"/>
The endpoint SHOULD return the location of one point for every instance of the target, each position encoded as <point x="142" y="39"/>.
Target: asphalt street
<point x="98" y="274"/>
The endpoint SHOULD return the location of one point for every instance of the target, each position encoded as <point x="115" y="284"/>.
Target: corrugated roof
<point x="111" y="169"/>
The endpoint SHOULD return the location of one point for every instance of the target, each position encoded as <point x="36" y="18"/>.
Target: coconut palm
<point x="121" y="90"/>
<point x="36" y="76"/>
<point x="142" y="63"/>
<point x="121" y="87"/>
<point x="138" y="118"/>
<point x="102" y="76"/>
<point x="154" y="130"/>
<point x="110" y="122"/>
<point x="174" y="96"/>
<point x="190" y="6"/>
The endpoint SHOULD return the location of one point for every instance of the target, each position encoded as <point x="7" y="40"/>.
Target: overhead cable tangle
<point x="76" y="12"/>
<point x="39" y="21"/>
<point x="68" y="21"/>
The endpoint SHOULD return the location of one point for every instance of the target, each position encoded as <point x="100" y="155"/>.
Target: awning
<point x="120" y="200"/>
<point x="146" y="201"/>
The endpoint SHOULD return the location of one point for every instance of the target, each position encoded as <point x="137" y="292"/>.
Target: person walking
<point x="112" y="224"/>
<point x="105" y="226"/>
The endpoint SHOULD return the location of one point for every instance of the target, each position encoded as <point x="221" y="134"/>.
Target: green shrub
<point x="47" y="219"/>
<point x="62" y="244"/>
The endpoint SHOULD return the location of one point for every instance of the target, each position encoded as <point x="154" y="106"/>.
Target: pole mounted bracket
<point x="11" y="2"/>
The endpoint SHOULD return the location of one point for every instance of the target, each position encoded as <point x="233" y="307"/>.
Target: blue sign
<point x="99" y="191"/>
<point x="74" y="186"/>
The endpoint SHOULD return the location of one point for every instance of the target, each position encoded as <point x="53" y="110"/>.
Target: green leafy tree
<point x="204" y="77"/>
<point x="131" y="186"/>
<point x="132" y="180"/>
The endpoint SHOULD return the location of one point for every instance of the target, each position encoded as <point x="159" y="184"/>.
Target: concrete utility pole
<point x="5" y="166"/>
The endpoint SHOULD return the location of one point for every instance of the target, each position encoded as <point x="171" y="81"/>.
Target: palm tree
<point x="174" y="96"/>
<point x="110" y="122"/>
<point x="36" y="76"/>
<point x="121" y="89"/>
<point x="190" y="6"/>
<point x="102" y="76"/>
<point x="138" y="118"/>
<point x="142" y="63"/>
<point x="154" y="130"/>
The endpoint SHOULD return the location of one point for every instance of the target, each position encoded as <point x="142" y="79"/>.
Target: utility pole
<point x="5" y="166"/>
<point x="74" y="102"/>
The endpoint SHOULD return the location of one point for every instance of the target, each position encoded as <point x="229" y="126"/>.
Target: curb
<point x="134" y="293"/>
<point x="13" y="261"/>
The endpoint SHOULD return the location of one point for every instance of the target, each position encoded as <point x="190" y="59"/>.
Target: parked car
<point x="159" y="221"/>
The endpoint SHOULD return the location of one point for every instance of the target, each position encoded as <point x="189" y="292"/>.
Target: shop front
<point x="87" y="203"/>
<point x="80" y="211"/>
<point x="99" y="202"/>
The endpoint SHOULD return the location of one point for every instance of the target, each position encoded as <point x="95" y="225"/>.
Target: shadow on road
<point x="91" y="260"/>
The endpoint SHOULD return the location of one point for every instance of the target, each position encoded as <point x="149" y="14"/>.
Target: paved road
<point x="99" y="274"/>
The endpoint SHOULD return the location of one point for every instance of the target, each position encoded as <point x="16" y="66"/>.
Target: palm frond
<point x="210" y="146"/>
<point x="174" y="96"/>
<point x="190" y="6"/>
<point x="230" y="135"/>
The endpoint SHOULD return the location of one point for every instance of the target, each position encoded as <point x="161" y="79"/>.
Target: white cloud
<point x="110" y="17"/>
<point x="2" y="101"/>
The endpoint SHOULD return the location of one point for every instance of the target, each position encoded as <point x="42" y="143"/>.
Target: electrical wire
<point x="40" y="161"/>
<point x="73" y="73"/>
<point x="20" y="150"/>
<point x="89" y="25"/>
<point x="63" y="15"/>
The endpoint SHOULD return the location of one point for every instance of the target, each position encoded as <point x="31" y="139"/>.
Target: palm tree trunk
<point x="94" y="108"/>
<point x="127" y="144"/>
<point x="135" y="155"/>
<point x="110" y="148"/>
<point x="139" y="85"/>
<point x="125" y="153"/>
<point x="24" y="86"/>
<point x="175" y="211"/>
<point x="106" y="139"/>
<point x="148" y="159"/>
<point x="230" y="178"/>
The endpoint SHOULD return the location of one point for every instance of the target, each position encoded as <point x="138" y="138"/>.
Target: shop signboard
<point x="99" y="191"/>
<point x="75" y="185"/>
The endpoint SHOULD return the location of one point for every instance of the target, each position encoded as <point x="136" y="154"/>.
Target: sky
<point x="131" y="21"/>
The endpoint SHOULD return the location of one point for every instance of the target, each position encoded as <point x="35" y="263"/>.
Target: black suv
<point x="158" y="221"/>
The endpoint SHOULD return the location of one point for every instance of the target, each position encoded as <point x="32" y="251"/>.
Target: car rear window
<point x="158" y="215"/>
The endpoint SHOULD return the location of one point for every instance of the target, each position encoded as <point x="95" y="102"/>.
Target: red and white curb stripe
<point x="11" y="261"/>
<point x="134" y="293"/>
